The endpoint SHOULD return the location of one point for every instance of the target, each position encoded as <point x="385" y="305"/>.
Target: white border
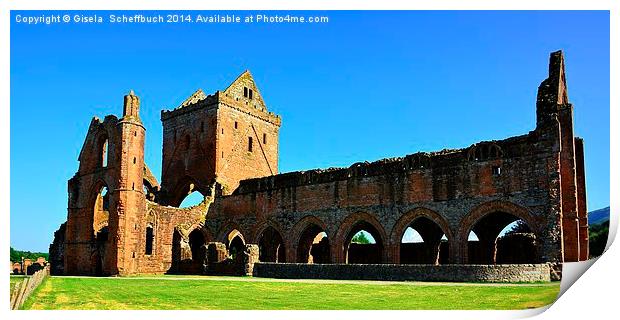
<point x="593" y="295"/>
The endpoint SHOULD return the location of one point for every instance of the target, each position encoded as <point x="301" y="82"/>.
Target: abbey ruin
<point x="121" y="220"/>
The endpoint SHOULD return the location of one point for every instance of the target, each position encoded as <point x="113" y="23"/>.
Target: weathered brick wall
<point x="166" y="221"/>
<point x="123" y="174"/>
<point x="189" y="148"/>
<point x="57" y="251"/>
<point x="452" y="189"/>
<point x="395" y="272"/>
<point x="80" y="246"/>
<point x="236" y="162"/>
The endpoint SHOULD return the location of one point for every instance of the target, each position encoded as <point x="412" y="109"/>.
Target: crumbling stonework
<point x="121" y="220"/>
<point x="395" y="272"/>
<point x="56" y="252"/>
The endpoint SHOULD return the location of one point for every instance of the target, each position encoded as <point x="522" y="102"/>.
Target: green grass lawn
<point x="250" y="293"/>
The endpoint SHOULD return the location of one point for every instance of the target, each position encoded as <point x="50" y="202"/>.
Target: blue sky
<point x="365" y="86"/>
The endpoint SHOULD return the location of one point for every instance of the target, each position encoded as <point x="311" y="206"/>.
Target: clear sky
<point x="364" y="86"/>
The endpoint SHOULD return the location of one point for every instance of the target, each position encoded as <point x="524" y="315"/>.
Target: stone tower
<point x="218" y="139"/>
<point x="106" y="197"/>
<point x="131" y="199"/>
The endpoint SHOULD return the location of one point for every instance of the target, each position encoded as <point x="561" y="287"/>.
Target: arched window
<point x="363" y="244"/>
<point x="150" y="236"/>
<point x="313" y="245"/>
<point x="192" y="199"/>
<point x="103" y="151"/>
<point x="499" y="238"/>
<point x="423" y="242"/>
<point x="101" y="211"/>
<point x="271" y="246"/>
<point x="235" y="244"/>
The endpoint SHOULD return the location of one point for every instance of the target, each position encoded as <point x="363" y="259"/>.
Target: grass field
<point x="251" y="293"/>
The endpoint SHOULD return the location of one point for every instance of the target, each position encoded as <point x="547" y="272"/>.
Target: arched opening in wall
<point x="149" y="240"/>
<point x="192" y="199"/>
<point x="424" y="242"/>
<point x="500" y="238"/>
<point x="271" y="246"/>
<point x="101" y="216"/>
<point x="101" y="212"/>
<point x="181" y="252"/>
<point x="313" y="246"/>
<point x="235" y="245"/>
<point x="187" y="193"/>
<point x="103" y="146"/>
<point x="363" y="244"/>
<point x="187" y="252"/>
<point x="198" y="249"/>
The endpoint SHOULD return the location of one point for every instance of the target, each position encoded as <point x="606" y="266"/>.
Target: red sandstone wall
<point x="193" y="162"/>
<point x="452" y="185"/>
<point x="235" y="161"/>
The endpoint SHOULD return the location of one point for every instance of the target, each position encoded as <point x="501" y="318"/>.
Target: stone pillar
<point x="337" y="252"/>
<point x="393" y="252"/>
<point x="582" y="211"/>
<point x="456" y="251"/>
<point x="216" y="252"/>
<point x="250" y="256"/>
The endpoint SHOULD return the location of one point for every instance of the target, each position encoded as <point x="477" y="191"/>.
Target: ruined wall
<point x="166" y="221"/>
<point x="112" y="157"/>
<point x="395" y="272"/>
<point x="530" y="177"/>
<point x="453" y="188"/>
<point x="189" y="148"/>
<point x="81" y="256"/>
<point x="57" y="251"/>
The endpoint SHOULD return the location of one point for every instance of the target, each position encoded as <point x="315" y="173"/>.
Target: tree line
<point x="16" y="255"/>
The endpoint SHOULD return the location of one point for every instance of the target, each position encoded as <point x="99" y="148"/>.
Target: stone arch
<point x="102" y="146"/>
<point x="189" y="249"/>
<point x="232" y="236"/>
<point x="480" y="212"/>
<point x="183" y="188"/>
<point x="347" y="230"/>
<point x="303" y="237"/>
<point x="407" y="220"/>
<point x="260" y="227"/>
<point x="269" y="237"/>
<point x="197" y="244"/>
<point x="226" y="229"/>
<point x="150" y="236"/>
<point x="100" y="205"/>
<point x="206" y="233"/>
<point x="98" y="223"/>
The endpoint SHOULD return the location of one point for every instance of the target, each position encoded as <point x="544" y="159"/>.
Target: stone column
<point x="216" y="252"/>
<point x="250" y="256"/>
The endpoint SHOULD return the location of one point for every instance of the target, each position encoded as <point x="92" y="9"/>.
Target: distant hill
<point x="598" y="216"/>
<point x="598" y="221"/>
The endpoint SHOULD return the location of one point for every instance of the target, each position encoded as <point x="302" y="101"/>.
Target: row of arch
<point x="421" y="236"/>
